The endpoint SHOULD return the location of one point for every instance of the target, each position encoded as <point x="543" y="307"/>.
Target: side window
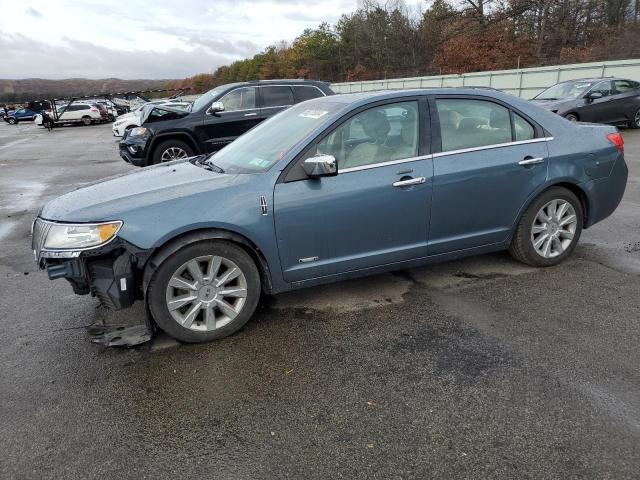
<point x="467" y="123"/>
<point x="277" y="96"/>
<point x="239" y="99"/>
<point x="622" y="86"/>
<point x="306" y="93"/>
<point x="523" y="129"/>
<point x="603" y="87"/>
<point x="377" y="135"/>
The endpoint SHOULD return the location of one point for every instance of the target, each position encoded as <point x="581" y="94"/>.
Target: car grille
<point x="39" y="233"/>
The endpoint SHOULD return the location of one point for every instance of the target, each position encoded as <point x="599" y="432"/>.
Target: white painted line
<point x="15" y="142"/>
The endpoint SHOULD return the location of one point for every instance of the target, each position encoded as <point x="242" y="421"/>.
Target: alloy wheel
<point x="553" y="229"/>
<point x="636" y="119"/>
<point x="173" y="153"/>
<point x="206" y="293"/>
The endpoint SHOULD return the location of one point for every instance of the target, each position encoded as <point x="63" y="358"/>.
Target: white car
<point x="74" y="113"/>
<point x="132" y="119"/>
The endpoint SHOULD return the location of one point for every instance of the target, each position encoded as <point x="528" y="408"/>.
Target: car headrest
<point x="376" y="125"/>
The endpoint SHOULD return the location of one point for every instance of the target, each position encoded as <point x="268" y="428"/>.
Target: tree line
<point x="388" y="39"/>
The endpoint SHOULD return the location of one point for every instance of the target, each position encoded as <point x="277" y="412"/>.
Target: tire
<point x="86" y="120"/>
<point x="635" y="121"/>
<point x="522" y="245"/>
<point x="572" y="117"/>
<point x="12" y="121"/>
<point x="189" y="322"/>
<point x="111" y="118"/>
<point x="171" y="150"/>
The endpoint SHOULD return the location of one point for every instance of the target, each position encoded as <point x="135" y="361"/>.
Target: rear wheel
<point x="204" y="291"/>
<point x="86" y="120"/>
<point x="635" y="121"/>
<point x="549" y="229"/>
<point x="171" y="150"/>
<point x="572" y="117"/>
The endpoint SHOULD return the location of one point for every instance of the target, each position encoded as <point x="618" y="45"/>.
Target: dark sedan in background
<point x="601" y="100"/>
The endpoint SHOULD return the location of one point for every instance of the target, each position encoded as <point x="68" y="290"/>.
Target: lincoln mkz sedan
<point x="333" y="188"/>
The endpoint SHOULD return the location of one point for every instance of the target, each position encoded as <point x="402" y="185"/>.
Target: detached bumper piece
<point x="112" y="281"/>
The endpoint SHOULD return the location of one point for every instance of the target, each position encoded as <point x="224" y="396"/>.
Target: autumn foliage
<point x="385" y="40"/>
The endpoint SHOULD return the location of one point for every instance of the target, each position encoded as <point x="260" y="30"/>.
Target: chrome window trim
<point x="441" y="154"/>
<point x="384" y="164"/>
<point x="489" y="147"/>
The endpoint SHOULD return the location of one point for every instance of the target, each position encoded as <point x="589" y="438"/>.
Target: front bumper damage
<point x="112" y="273"/>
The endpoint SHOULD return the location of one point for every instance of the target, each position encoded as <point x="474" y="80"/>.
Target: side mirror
<point x="215" y="107"/>
<point x="595" y="95"/>
<point x="321" y="166"/>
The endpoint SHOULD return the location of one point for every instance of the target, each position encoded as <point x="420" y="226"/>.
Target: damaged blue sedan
<point x="330" y="189"/>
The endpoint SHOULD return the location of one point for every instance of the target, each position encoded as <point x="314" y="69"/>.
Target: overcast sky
<point x="146" y="38"/>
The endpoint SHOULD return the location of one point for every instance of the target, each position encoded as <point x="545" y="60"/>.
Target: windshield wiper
<point x="204" y="162"/>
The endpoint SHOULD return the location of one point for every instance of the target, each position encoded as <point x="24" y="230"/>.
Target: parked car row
<point x="332" y="188"/>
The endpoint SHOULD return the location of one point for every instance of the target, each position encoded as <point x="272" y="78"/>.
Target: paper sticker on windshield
<point x="315" y="114"/>
<point x="259" y="162"/>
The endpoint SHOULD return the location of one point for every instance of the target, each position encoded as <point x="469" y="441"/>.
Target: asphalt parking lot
<point x="482" y="368"/>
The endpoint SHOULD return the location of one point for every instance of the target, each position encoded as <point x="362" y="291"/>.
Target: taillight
<point x="617" y="140"/>
<point x="93" y="109"/>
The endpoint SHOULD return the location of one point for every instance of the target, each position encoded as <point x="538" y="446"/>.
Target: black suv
<point x="214" y="120"/>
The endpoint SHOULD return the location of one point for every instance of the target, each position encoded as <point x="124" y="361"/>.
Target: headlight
<point x="137" y="132"/>
<point x="82" y="235"/>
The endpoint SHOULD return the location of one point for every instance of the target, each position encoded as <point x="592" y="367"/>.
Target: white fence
<point x="524" y="82"/>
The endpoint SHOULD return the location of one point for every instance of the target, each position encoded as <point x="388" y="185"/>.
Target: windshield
<point x="206" y="98"/>
<point x="264" y="145"/>
<point x="565" y="91"/>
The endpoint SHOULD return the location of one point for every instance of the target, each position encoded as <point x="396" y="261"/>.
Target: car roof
<point x="366" y="97"/>
<point x="591" y="79"/>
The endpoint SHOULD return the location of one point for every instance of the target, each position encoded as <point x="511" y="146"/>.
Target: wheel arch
<point x="572" y="187"/>
<point x="172" y="245"/>
<point x="182" y="136"/>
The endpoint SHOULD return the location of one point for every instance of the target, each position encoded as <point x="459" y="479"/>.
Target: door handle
<point x="409" y="182"/>
<point x="250" y="114"/>
<point x="531" y="161"/>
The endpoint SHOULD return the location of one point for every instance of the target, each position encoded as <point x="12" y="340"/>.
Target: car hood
<point x="112" y="198"/>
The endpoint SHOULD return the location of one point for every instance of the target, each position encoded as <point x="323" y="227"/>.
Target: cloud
<point x="32" y="12"/>
<point x="81" y="59"/>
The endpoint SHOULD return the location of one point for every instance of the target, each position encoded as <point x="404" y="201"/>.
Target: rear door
<point x="375" y="211"/>
<point x="275" y="98"/>
<point x="241" y="113"/>
<point x="626" y="94"/>
<point x="487" y="162"/>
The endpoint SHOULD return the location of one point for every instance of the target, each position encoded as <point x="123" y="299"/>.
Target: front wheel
<point x="12" y="121"/>
<point x="572" y="117"/>
<point x="205" y="291"/>
<point x="170" y="150"/>
<point x="549" y="229"/>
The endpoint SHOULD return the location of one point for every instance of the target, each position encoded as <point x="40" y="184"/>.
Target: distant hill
<point x="39" y="88"/>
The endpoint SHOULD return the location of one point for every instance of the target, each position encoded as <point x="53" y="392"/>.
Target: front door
<point x="374" y="212"/>
<point x="241" y="113"/>
<point x="599" y="110"/>
<point x="488" y="166"/>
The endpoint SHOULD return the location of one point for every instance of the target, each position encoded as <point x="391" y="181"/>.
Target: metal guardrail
<point x="524" y="82"/>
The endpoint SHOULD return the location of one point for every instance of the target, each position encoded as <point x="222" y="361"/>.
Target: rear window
<point x="307" y="93"/>
<point x="277" y="96"/>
